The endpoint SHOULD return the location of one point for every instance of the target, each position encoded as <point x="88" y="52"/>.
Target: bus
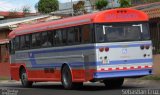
<point x="105" y="47"/>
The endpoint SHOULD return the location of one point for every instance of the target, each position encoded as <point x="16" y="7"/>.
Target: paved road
<point x="15" y="88"/>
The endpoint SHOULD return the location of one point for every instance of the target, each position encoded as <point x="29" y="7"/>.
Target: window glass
<point x="86" y="33"/>
<point x="64" y="36"/>
<point x="36" y="40"/>
<point x="119" y="32"/>
<point x="22" y="42"/>
<point x="17" y="43"/>
<point x="78" y="37"/>
<point x="12" y="46"/>
<point x="71" y="36"/>
<point x="50" y="37"/>
<point x="44" y="40"/>
<point x="58" y="37"/>
<point x="27" y="41"/>
<point x="74" y="35"/>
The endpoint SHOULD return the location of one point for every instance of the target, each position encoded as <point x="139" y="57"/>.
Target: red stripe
<point x="146" y="67"/>
<point x="132" y="67"/>
<point x="109" y="69"/>
<point x="102" y="69"/>
<point x="124" y="68"/>
<point x="139" y="67"/>
<point x="117" y="68"/>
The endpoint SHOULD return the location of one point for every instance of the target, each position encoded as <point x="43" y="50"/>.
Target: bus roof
<point x="107" y="16"/>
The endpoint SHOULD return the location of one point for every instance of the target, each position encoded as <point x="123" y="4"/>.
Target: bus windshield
<point x="121" y="32"/>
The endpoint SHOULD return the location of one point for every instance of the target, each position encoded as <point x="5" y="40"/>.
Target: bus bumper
<point x="125" y="73"/>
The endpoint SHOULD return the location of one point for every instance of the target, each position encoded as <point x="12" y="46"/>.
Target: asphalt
<point x="55" y="88"/>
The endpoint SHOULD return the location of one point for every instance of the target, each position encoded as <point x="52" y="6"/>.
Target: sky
<point x="11" y="5"/>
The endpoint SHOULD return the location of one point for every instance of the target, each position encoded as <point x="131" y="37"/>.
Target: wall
<point x="4" y="71"/>
<point x="156" y="65"/>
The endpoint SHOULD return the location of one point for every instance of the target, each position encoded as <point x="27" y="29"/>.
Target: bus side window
<point x="27" y="42"/>
<point x="71" y="35"/>
<point x="17" y="43"/>
<point x="12" y="46"/>
<point x="78" y="36"/>
<point x="74" y="35"/>
<point x="22" y="42"/>
<point x="50" y="37"/>
<point x="58" y="37"/>
<point x="44" y="40"/>
<point x="86" y="33"/>
<point x="33" y="40"/>
<point x="64" y="36"/>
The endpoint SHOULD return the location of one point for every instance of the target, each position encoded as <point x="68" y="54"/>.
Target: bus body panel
<point x="47" y="63"/>
<point x="124" y="59"/>
<point x="87" y="62"/>
<point x="90" y="51"/>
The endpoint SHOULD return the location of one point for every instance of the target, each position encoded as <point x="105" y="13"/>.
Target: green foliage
<point x="125" y="3"/>
<point x="26" y="9"/>
<point x="79" y="8"/>
<point x="47" y="6"/>
<point x="101" y="4"/>
<point x="36" y="6"/>
<point x="13" y="13"/>
<point x="146" y="1"/>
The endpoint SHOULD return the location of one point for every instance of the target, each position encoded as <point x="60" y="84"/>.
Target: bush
<point x="101" y="4"/>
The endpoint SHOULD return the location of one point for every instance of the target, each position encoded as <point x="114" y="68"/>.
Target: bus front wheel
<point x="24" y="79"/>
<point x="113" y="83"/>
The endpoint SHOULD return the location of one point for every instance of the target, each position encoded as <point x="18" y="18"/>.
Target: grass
<point x="4" y="78"/>
<point x="151" y="77"/>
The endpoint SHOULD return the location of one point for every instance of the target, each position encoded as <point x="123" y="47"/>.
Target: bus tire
<point x="66" y="78"/>
<point x="24" y="79"/>
<point x="114" y="82"/>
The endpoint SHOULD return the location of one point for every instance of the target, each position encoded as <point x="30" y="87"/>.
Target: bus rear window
<point x="121" y="32"/>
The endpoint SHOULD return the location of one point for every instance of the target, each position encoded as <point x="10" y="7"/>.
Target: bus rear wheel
<point x="67" y="79"/>
<point x="24" y="79"/>
<point x="113" y="83"/>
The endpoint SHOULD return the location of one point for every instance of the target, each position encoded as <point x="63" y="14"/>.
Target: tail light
<point x="101" y="49"/>
<point x="106" y="49"/>
<point x="142" y="47"/>
<point x="147" y="47"/>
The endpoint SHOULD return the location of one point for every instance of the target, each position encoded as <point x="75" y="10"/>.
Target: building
<point x="153" y="11"/>
<point x="6" y="26"/>
<point x="65" y="9"/>
<point x="9" y="15"/>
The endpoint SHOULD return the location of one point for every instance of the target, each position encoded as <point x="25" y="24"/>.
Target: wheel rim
<point x="66" y="79"/>
<point x="24" y="78"/>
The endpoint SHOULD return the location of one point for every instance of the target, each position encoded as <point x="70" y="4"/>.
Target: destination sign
<point x="121" y="16"/>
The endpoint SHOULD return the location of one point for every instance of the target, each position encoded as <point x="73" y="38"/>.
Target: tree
<point x="47" y="6"/>
<point x="36" y="7"/>
<point x="125" y="3"/>
<point x="79" y="8"/>
<point x="26" y="9"/>
<point x="13" y="13"/>
<point x="101" y="4"/>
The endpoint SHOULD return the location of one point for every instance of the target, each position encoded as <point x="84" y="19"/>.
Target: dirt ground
<point x="156" y="65"/>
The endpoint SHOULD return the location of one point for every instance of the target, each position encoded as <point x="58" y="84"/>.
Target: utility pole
<point x="72" y="7"/>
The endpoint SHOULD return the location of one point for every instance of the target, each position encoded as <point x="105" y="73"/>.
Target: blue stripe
<point x="34" y="64"/>
<point x="50" y="65"/>
<point x="125" y="73"/>
<point x="65" y="50"/>
<point x="120" y="46"/>
<point x="87" y="48"/>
